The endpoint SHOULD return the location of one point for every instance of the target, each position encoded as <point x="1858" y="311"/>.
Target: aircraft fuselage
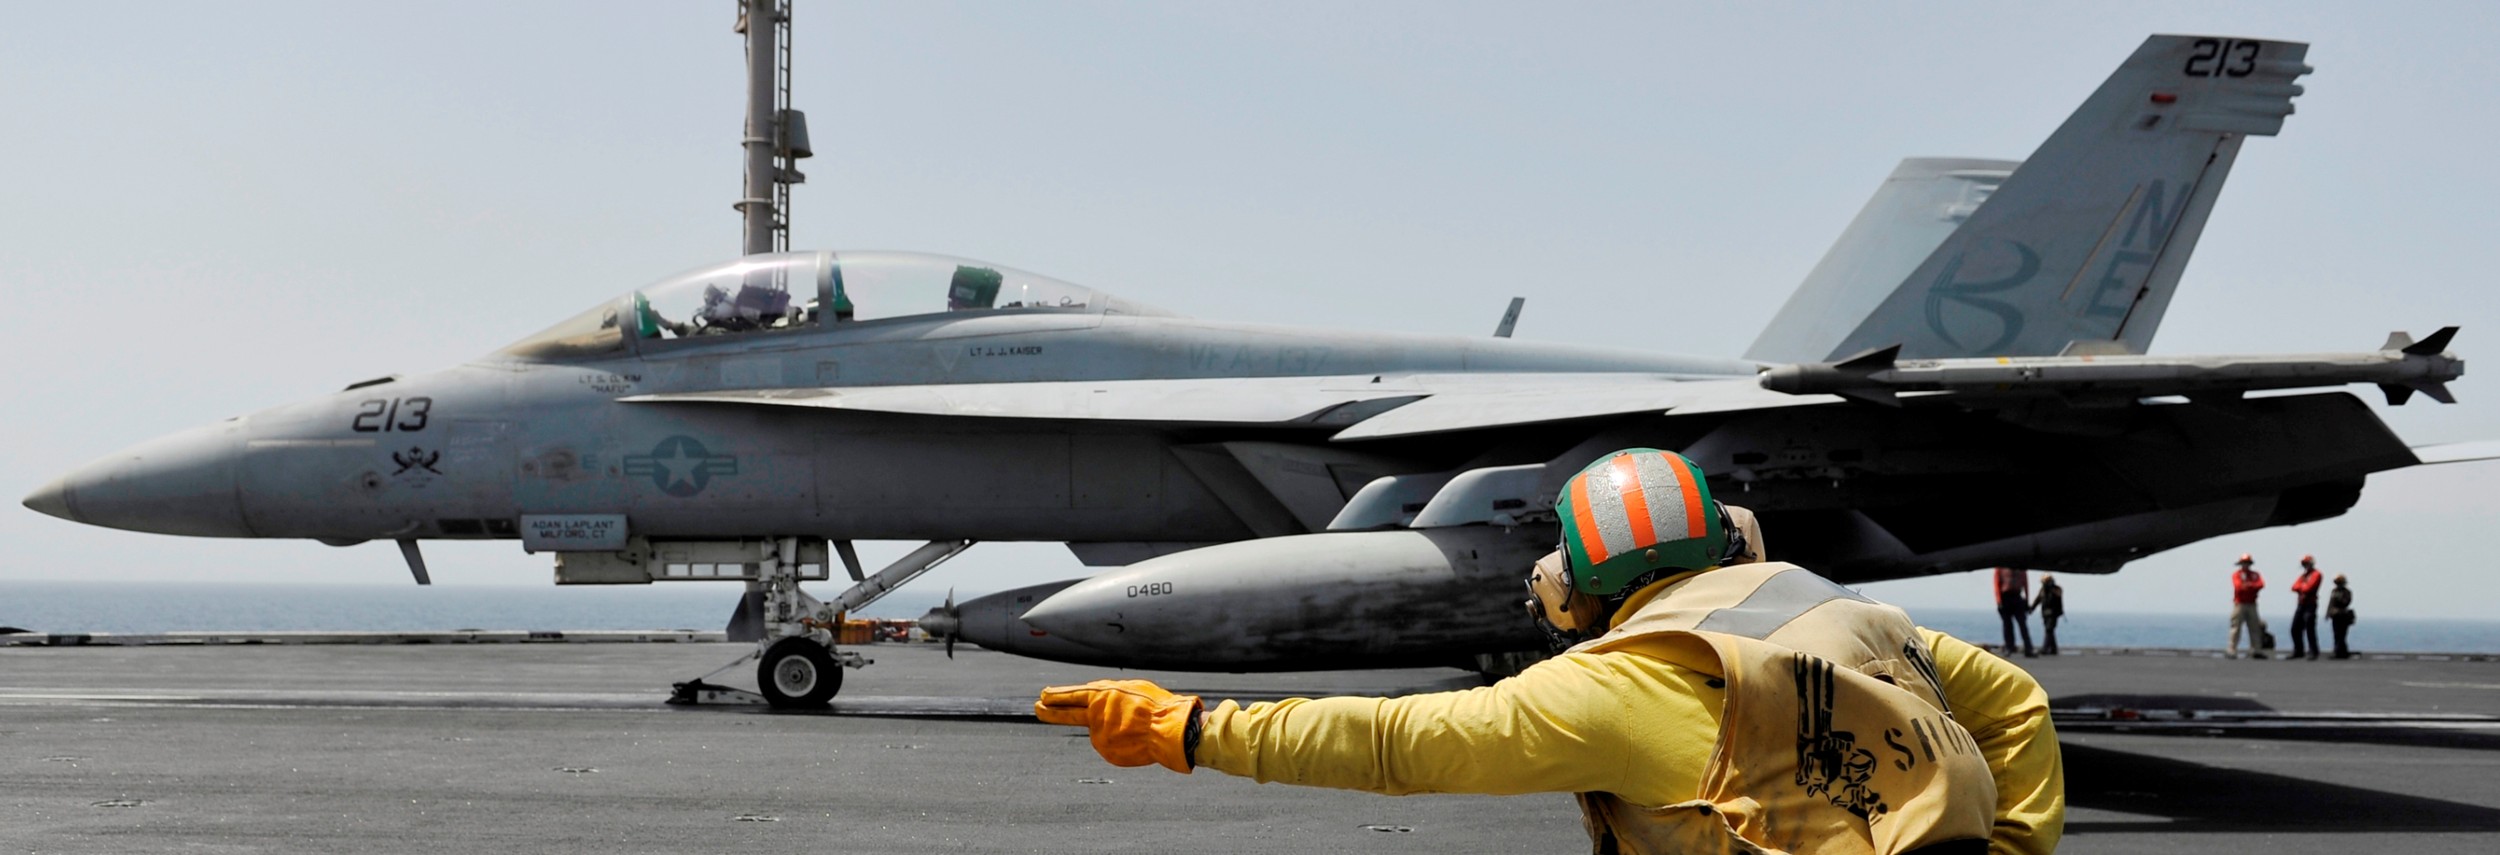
<point x="464" y="452"/>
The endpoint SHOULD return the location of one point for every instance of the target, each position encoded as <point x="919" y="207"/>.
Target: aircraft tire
<point x="798" y="673"/>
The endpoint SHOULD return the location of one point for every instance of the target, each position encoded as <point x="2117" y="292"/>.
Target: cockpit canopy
<point x="794" y="291"/>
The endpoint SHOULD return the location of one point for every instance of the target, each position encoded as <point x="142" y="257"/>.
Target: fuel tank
<point x="1373" y="599"/>
<point x="996" y="622"/>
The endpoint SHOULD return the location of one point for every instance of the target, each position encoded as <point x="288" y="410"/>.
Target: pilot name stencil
<point x="609" y="384"/>
<point x="990" y="350"/>
<point x="681" y="466"/>
<point x="572" y="532"/>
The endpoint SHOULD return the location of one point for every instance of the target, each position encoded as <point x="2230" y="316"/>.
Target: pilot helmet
<point x="1637" y="512"/>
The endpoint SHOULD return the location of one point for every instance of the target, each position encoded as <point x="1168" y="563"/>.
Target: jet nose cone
<point x="52" y="500"/>
<point x="179" y="484"/>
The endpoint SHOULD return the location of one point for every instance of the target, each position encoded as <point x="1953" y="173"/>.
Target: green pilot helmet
<point x="1635" y="512"/>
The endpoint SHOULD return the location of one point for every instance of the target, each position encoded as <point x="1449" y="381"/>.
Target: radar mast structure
<point x="776" y="134"/>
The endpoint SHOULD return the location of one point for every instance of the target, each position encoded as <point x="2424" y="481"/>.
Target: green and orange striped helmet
<point x="1636" y="511"/>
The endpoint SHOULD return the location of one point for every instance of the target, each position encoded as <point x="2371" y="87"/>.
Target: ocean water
<point x="145" y="607"/>
<point x="2119" y="629"/>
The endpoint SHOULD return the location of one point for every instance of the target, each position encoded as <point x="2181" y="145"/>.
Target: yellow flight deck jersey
<point x="1630" y="726"/>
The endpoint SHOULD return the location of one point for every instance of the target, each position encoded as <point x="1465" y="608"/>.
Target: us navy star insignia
<point x="680" y="466"/>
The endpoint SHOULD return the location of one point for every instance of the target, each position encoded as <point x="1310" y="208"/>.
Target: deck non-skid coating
<point x="569" y="748"/>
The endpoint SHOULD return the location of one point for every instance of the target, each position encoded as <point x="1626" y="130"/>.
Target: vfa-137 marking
<point x="1283" y="497"/>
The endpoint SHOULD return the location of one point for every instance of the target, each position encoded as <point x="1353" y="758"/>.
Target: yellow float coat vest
<point x="1835" y="734"/>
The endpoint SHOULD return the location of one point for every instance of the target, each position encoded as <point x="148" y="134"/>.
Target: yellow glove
<point x="1134" y="722"/>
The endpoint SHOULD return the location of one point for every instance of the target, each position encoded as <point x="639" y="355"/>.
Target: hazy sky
<point x="214" y="208"/>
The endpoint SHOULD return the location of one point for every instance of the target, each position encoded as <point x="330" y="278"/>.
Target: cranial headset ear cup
<point x="1565" y="608"/>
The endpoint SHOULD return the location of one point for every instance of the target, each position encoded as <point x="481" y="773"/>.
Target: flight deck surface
<point x="557" y="748"/>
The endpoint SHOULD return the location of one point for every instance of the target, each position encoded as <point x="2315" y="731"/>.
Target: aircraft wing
<point x="1371" y="407"/>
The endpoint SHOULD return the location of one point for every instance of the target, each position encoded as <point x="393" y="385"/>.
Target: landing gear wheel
<point x="798" y="673"/>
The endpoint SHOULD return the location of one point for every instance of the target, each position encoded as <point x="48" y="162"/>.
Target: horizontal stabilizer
<point x="2458" y="452"/>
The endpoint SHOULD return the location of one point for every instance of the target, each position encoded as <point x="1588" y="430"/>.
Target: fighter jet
<point x="1282" y="497"/>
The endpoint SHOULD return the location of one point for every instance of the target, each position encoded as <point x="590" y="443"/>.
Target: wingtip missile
<point x="2433" y="346"/>
<point x="1876" y="359"/>
<point x="2401" y="369"/>
<point x="2399" y="393"/>
<point x="1851" y="373"/>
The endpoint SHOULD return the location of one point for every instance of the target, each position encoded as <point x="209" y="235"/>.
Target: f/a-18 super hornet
<point x="1287" y="498"/>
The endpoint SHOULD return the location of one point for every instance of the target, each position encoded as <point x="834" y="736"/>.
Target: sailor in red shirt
<point x="2014" y="608"/>
<point x="2245" y="583"/>
<point x="2305" y="612"/>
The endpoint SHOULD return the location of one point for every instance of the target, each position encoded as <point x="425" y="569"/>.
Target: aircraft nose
<point x="179" y="484"/>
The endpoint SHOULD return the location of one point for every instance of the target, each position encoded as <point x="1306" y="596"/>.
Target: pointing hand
<point x="1133" y="722"/>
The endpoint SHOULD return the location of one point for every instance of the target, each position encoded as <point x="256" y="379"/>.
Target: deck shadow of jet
<point x="2242" y="718"/>
<point x="2197" y="798"/>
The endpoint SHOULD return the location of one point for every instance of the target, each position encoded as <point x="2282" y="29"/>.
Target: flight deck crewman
<point x="1723" y="703"/>
<point x="2245" y="583"/>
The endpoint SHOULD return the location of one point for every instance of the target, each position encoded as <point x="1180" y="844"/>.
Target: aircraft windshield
<point x="780" y="292"/>
<point x="876" y="285"/>
<point x="589" y="334"/>
<point x="762" y="293"/>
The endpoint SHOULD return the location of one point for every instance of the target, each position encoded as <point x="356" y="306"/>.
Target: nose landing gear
<point x="796" y="666"/>
<point x="798" y="673"/>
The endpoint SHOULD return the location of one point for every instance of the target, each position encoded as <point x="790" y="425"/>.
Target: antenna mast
<point x="776" y="135"/>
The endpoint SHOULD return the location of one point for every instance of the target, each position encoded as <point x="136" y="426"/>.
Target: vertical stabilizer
<point x="2086" y="240"/>
<point x="1924" y="200"/>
